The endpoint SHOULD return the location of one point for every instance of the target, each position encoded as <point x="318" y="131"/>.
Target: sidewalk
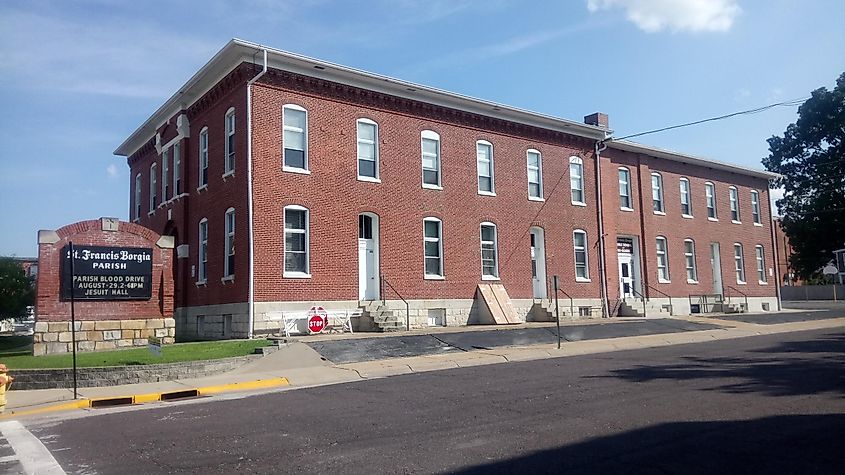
<point x="298" y="365"/>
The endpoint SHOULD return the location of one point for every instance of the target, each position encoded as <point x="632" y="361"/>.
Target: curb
<point x="135" y="399"/>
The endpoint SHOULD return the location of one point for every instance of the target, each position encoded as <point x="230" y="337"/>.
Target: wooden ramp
<point x="496" y="305"/>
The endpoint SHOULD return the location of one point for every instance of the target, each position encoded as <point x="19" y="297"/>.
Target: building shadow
<point x="778" y="445"/>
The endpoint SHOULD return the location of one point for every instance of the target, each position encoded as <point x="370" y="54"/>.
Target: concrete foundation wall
<point x="56" y="337"/>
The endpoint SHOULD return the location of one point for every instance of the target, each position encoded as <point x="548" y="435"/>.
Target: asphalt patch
<point x="371" y="349"/>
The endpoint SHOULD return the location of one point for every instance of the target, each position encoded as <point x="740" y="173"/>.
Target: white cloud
<point x="112" y="171"/>
<point x="675" y="15"/>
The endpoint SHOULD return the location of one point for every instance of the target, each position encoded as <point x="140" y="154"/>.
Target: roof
<point x="238" y="51"/>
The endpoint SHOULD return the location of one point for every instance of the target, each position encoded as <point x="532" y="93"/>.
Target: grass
<point x="15" y="353"/>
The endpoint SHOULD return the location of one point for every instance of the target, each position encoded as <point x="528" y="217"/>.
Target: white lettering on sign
<point x="123" y="255"/>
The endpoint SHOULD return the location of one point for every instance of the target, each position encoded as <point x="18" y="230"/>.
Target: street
<point x="767" y="404"/>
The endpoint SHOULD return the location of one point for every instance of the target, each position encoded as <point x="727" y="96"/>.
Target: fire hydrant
<point x="5" y="383"/>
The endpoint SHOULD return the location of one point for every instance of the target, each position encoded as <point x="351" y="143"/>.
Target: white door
<point x="626" y="275"/>
<point x="716" y="268"/>
<point x="538" y="264"/>
<point x="367" y="259"/>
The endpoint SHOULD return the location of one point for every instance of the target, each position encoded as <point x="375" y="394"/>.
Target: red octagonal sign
<point x="316" y="324"/>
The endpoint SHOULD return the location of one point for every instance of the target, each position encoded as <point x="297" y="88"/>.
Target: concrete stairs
<point x="637" y="308"/>
<point x="544" y="311"/>
<point x="382" y="318"/>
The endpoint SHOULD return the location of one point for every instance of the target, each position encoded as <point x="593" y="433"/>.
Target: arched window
<point x="430" y="148"/>
<point x="202" y="251"/>
<point x="662" y="260"/>
<point x="535" y="174"/>
<point x="657" y="193"/>
<point x="625" y="200"/>
<point x="368" y="153"/>
<point x="739" y="263"/>
<point x="229" y="162"/>
<point x="686" y="200"/>
<point x="579" y="244"/>
<point x="137" y="204"/>
<point x="433" y="248"/>
<point x="576" y="180"/>
<point x="489" y="252"/>
<point x="755" y="206"/>
<point x="294" y="137"/>
<point x="761" y="264"/>
<point x="734" y="199"/>
<point x="153" y="188"/>
<point x="229" y="251"/>
<point x="203" y="158"/>
<point x="297" y="247"/>
<point x="689" y="259"/>
<point x="486" y="167"/>
<point x="710" y="198"/>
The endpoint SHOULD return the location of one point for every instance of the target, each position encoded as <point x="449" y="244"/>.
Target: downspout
<point x="600" y="146"/>
<point x="774" y="247"/>
<point x="249" y="195"/>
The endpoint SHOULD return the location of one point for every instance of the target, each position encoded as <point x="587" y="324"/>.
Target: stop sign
<point x="316" y="324"/>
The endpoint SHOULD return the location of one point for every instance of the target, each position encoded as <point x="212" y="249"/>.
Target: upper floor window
<point x="710" y="198"/>
<point x="755" y="207"/>
<point x="625" y="201"/>
<point x="296" y="241"/>
<point x="202" y="251"/>
<point x="368" y="167"/>
<point x="761" y="264"/>
<point x="203" y="158"/>
<point x="689" y="258"/>
<point x="734" y="198"/>
<point x="153" y="187"/>
<point x="739" y="263"/>
<point x="229" y="165"/>
<point x="229" y="263"/>
<point x="489" y="252"/>
<point x="177" y="170"/>
<point x="430" y="147"/>
<point x="484" y="163"/>
<point x="576" y="180"/>
<point x="433" y="247"/>
<point x="657" y="193"/>
<point x="686" y="202"/>
<point x="662" y="260"/>
<point x="295" y="137"/>
<point x="579" y="244"/>
<point x="165" y="175"/>
<point x="535" y="174"/>
<point x="137" y="202"/>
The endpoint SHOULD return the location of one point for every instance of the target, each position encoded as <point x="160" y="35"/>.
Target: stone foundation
<point x="55" y="337"/>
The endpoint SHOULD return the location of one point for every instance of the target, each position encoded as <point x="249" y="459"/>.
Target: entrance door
<point x="626" y="275"/>
<point x="716" y="268"/>
<point x="367" y="257"/>
<point x="538" y="263"/>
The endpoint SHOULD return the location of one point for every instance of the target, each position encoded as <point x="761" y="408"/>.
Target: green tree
<point x="811" y="158"/>
<point x="16" y="289"/>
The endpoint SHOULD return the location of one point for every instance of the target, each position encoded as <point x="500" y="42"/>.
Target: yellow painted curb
<point x="65" y="406"/>
<point x="244" y="386"/>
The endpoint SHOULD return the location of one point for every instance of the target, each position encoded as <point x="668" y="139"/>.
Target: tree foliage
<point x="811" y="158"/>
<point x="16" y="289"/>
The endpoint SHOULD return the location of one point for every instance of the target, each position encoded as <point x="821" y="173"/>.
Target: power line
<point x="793" y="102"/>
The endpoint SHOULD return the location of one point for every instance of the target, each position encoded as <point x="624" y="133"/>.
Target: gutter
<point x="249" y="195"/>
<point x="600" y="146"/>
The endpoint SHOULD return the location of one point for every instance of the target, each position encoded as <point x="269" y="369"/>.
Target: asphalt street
<point x="801" y="312"/>
<point x="766" y="404"/>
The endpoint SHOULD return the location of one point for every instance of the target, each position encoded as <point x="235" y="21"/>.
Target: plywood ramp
<point x="496" y="304"/>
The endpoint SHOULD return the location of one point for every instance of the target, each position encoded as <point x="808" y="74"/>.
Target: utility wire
<point x="793" y="102"/>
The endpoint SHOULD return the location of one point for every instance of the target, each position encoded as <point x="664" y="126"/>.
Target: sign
<point x="625" y="245"/>
<point x="107" y="273"/>
<point x="154" y="345"/>
<point x="317" y="319"/>
<point x="830" y="270"/>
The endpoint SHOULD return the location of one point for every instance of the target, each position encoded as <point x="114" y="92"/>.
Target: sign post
<point x="832" y="271"/>
<point x="154" y="345"/>
<point x="73" y="319"/>
<point x="557" y="310"/>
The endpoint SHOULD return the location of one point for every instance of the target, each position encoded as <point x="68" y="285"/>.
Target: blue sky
<point x="77" y="77"/>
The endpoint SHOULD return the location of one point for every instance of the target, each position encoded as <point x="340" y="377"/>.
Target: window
<point x="296" y="241"/>
<point x="489" y="252"/>
<point x="710" y="197"/>
<point x="734" y="197"/>
<point x="229" y="165"/>
<point x="229" y="264"/>
<point x="138" y="196"/>
<point x="579" y="243"/>
<point x="295" y="137"/>
<point x="535" y="174"/>
<point x="433" y="247"/>
<point x="430" y="146"/>
<point x="202" y="249"/>
<point x="662" y="260"/>
<point x="203" y="161"/>
<point x="367" y="149"/>
<point x="625" y="189"/>
<point x="484" y="163"/>
<point x="576" y="180"/>
<point x="165" y="175"/>
<point x="177" y="170"/>
<point x="153" y="188"/>
<point x="689" y="258"/>
<point x="657" y="193"/>
<point x="761" y="264"/>
<point x="739" y="264"/>
<point x="686" y="204"/>
<point x="755" y="207"/>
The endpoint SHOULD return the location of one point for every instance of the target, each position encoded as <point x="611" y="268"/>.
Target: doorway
<point x="716" y="268"/>
<point x="627" y="257"/>
<point x="368" y="253"/>
<point x="626" y="275"/>
<point x="538" y="263"/>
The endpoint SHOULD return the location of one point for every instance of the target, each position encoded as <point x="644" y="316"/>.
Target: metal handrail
<point x="645" y="299"/>
<point x="744" y="295"/>
<point x="671" y="310"/>
<point x="571" y="302"/>
<point x="407" y="305"/>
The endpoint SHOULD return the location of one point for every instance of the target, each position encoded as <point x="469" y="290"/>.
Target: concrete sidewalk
<point x="297" y="365"/>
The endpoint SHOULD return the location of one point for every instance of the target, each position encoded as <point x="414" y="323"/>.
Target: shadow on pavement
<point x="781" y="444"/>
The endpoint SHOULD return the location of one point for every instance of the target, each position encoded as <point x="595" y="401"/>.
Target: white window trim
<point x="662" y="211"/>
<point x="495" y="250"/>
<point x="712" y="187"/>
<point x="741" y="264"/>
<point x="305" y="169"/>
<point x="202" y="268"/>
<point x="762" y="261"/>
<point x="431" y="135"/>
<point x="137" y="204"/>
<point x="539" y="174"/>
<point x="627" y="188"/>
<point x="580" y="162"/>
<point x="176" y="153"/>
<point x="492" y="191"/>
<point x="153" y="188"/>
<point x="376" y="151"/>
<point x="297" y="274"/>
<point x="756" y="218"/>
<point x="442" y="274"/>
<point x="733" y="198"/>
<point x="689" y="197"/>
<point x="203" y="157"/>
<point x="586" y="256"/>
<point x="694" y="263"/>
<point x="226" y="134"/>
<point x="660" y="279"/>
<point x="228" y="274"/>
<point x="165" y="172"/>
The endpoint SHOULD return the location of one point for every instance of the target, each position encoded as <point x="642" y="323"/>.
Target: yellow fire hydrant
<point x="5" y="383"/>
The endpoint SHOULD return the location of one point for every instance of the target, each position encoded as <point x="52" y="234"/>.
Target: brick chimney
<point x="598" y="119"/>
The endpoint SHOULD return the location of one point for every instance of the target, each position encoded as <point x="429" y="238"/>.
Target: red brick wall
<point x="49" y="307"/>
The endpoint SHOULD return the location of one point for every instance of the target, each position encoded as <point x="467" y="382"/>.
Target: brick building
<point x="288" y="182"/>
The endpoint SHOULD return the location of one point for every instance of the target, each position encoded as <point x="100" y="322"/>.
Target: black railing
<point x="744" y="296"/>
<point x="644" y="299"/>
<point x="671" y="309"/>
<point x="407" y="305"/>
<point x="706" y="305"/>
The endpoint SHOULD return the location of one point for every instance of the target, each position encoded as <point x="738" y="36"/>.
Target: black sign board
<point x="625" y="245"/>
<point x="108" y="273"/>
